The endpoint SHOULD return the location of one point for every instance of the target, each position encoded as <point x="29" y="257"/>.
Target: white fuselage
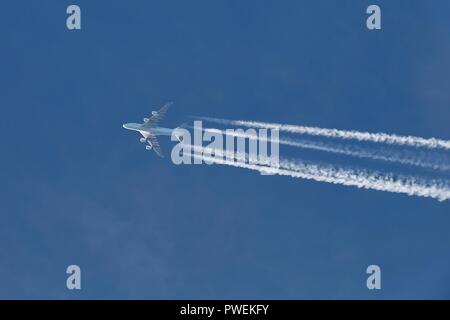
<point x="156" y="131"/>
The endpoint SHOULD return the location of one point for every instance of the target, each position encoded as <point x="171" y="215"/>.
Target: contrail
<point x="354" y="151"/>
<point x="348" y="177"/>
<point x="367" y="153"/>
<point x="393" y="139"/>
<point x="376" y="180"/>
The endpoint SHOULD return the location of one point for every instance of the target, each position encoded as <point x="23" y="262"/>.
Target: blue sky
<point x="78" y="189"/>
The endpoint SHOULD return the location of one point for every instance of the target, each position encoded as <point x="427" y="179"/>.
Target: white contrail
<point x="367" y="153"/>
<point x="371" y="180"/>
<point x="393" y="139"/>
<point x="354" y="151"/>
<point x="348" y="177"/>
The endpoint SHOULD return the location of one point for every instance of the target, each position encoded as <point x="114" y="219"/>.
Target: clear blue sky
<point x="79" y="189"/>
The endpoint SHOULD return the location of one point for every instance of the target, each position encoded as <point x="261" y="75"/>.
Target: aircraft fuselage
<point x="156" y="131"/>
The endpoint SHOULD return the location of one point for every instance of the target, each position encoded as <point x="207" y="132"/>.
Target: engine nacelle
<point x="142" y="140"/>
<point x="148" y="148"/>
<point x="145" y="119"/>
<point x="154" y="112"/>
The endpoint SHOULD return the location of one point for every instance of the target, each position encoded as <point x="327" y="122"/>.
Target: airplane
<point x="150" y="129"/>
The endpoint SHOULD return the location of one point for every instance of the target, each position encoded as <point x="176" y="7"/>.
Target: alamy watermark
<point x="374" y="279"/>
<point x="74" y="279"/>
<point x="251" y="146"/>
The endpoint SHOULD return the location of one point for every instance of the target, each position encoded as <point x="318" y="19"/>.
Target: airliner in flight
<point x="150" y="129"/>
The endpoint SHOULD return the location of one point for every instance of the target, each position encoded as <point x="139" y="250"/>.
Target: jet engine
<point x="142" y="140"/>
<point x="154" y="112"/>
<point x="145" y="119"/>
<point x="148" y="148"/>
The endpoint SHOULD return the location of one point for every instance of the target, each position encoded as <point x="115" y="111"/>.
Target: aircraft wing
<point x="158" y="116"/>
<point x="153" y="142"/>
